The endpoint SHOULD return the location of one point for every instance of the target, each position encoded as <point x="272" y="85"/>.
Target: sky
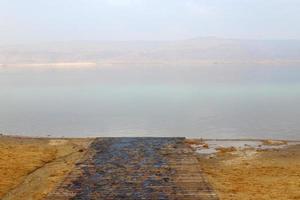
<point x="67" y="20"/>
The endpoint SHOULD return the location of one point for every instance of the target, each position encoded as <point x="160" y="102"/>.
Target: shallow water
<point x="256" y="103"/>
<point x="213" y="145"/>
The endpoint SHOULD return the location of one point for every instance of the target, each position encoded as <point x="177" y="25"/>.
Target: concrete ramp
<point x="136" y="169"/>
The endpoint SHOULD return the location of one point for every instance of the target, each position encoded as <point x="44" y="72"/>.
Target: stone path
<point x="136" y="169"/>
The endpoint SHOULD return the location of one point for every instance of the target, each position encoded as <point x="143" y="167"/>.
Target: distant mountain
<point x="186" y="52"/>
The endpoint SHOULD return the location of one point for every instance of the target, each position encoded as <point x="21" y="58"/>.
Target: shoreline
<point x="32" y="167"/>
<point x="189" y="138"/>
<point x="236" y="172"/>
<point x="250" y="173"/>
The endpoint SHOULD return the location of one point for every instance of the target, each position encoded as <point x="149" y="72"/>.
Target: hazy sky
<point x="59" y="20"/>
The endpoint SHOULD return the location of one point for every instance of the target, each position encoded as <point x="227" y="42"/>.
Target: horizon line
<point x="149" y="40"/>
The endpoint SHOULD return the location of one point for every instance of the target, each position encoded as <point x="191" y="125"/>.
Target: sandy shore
<point x="30" y="168"/>
<point x="269" y="170"/>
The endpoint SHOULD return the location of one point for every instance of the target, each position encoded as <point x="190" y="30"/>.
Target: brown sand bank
<point x="31" y="168"/>
<point x="251" y="173"/>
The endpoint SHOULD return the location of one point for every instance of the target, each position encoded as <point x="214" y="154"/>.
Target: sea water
<point x="253" y="102"/>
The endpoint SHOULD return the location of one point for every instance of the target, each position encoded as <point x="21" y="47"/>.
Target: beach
<point x="252" y="172"/>
<point x="150" y="100"/>
<point x="32" y="168"/>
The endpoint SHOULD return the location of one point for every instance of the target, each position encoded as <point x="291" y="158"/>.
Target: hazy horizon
<point x="146" y="20"/>
<point x="198" y="68"/>
<point x="145" y="40"/>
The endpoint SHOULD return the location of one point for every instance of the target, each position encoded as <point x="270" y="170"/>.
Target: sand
<point x="31" y="168"/>
<point x="254" y="174"/>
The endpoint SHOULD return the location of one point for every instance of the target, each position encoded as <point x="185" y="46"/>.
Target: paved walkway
<point x="136" y="169"/>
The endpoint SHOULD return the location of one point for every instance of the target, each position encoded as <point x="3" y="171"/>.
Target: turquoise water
<point x="95" y="103"/>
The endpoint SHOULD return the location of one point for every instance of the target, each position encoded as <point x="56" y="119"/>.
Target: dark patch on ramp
<point x="136" y="169"/>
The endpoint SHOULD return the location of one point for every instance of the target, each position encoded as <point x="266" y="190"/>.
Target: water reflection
<point x="157" y="102"/>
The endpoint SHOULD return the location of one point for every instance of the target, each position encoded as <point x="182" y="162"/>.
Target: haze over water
<point x="218" y="101"/>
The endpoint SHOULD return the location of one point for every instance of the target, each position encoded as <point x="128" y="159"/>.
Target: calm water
<point x="251" y="102"/>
